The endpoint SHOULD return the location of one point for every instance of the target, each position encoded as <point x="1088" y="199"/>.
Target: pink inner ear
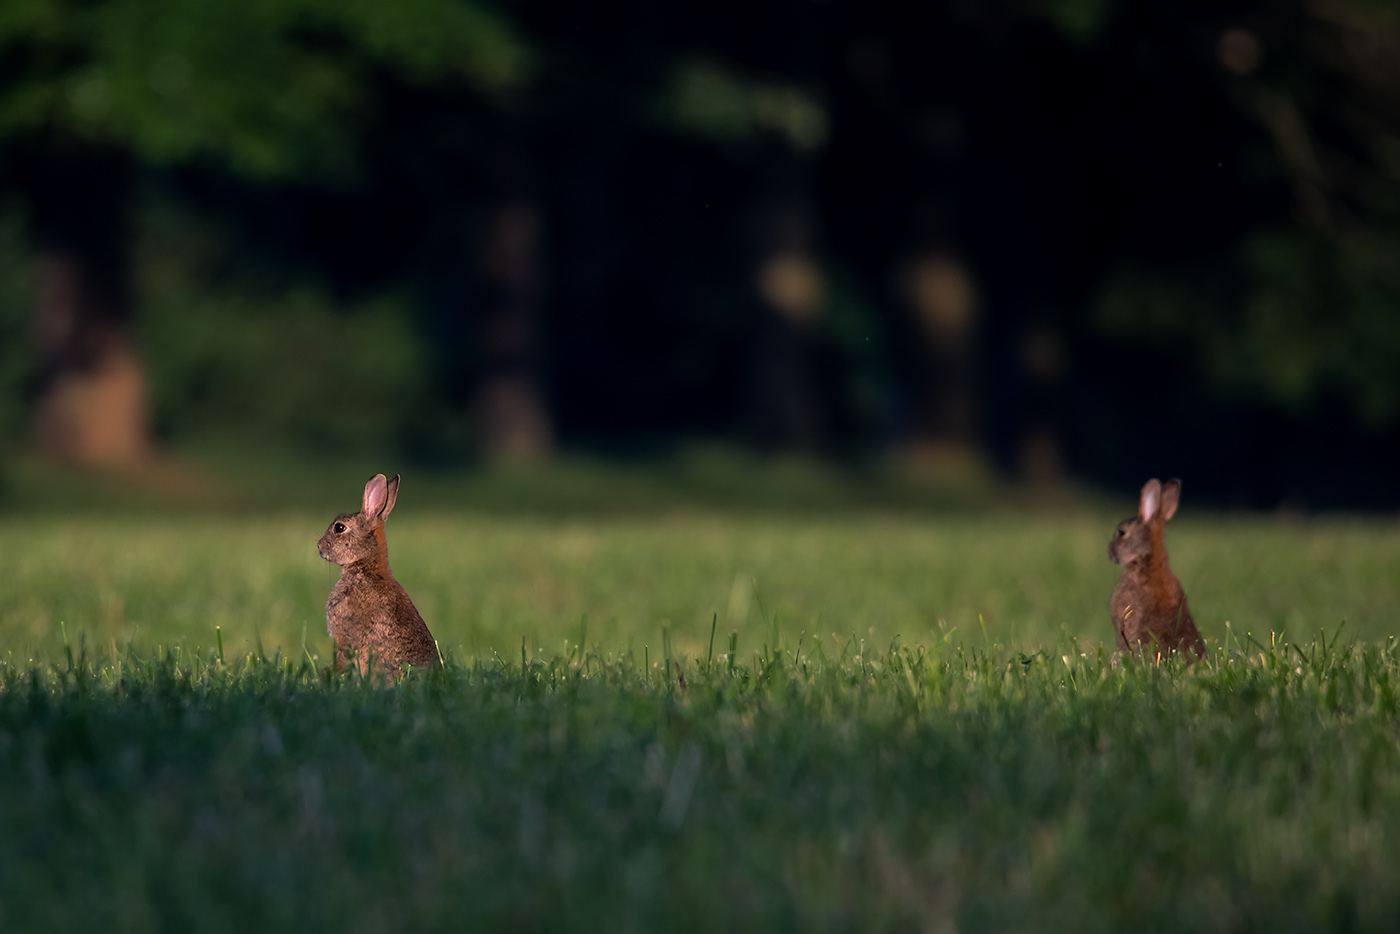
<point x="1171" y="496"/>
<point x="375" y="494"/>
<point x="1147" y="508"/>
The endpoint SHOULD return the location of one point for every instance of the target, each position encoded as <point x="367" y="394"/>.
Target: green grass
<point x="920" y="728"/>
<point x="935" y="789"/>
<point x="231" y="476"/>
<point x="485" y="582"/>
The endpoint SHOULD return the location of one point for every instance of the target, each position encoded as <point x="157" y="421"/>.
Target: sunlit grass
<point x="903" y="721"/>
<point x="485" y="583"/>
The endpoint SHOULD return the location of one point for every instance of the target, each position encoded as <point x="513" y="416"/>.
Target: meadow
<point x="484" y="583"/>
<point x="694" y="719"/>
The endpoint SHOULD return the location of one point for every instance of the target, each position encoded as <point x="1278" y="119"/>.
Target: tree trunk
<point x="942" y="301"/>
<point x="786" y="408"/>
<point x="513" y="417"/>
<point x="92" y="399"/>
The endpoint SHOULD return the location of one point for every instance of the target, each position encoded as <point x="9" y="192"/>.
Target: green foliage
<point x="17" y="357"/>
<point x="290" y="365"/>
<point x="713" y="102"/>
<point x="271" y="87"/>
<point x="936" y="788"/>
<point x="1081" y="21"/>
<point x="857" y="339"/>
<point x="1294" y="317"/>
<point x="1321" y="315"/>
<point x="231" y="349"/>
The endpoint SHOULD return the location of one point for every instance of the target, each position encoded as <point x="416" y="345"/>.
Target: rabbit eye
<point x="339" y="527"/>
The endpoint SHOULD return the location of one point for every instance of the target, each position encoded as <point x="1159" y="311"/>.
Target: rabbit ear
<point x="392" y="491"/>
<point x="1171" y="497"/>
<point x="376" y="495"/>
<point x="1147" y="502"/>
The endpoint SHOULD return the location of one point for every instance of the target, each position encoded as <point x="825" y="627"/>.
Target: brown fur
<point x="1149" y="605"/>
<point x="368" y="614"/>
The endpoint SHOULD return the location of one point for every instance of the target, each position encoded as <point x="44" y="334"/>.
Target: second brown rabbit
<point x="368" y="614"/>
<point x="1149" y="605"/>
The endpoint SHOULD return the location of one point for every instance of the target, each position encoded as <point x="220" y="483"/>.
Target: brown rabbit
<point x="368" y="613"/>
<point x="1148" y="605"/>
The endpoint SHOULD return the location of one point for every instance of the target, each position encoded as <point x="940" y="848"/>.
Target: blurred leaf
<point x="431" y="38"/>
<point x="232" y="353"/>
<point x="17" y="358"/>
<point x="274" y="87"/>
<point x="716" y="103"/>
<point x="1293" y="318"/>
<point x="855" y="335"/>
<point x="1081" y="21"/>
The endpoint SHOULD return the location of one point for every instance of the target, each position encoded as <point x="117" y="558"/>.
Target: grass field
<point x="485" y="583"/>
<point x="920" y="790"/>
<point x="920" y="728"/>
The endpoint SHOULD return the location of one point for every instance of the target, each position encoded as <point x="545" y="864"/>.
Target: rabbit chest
<point x="356" y="601"/>
<point x="1153" y="611"/>
<point x="1142" y="608"/>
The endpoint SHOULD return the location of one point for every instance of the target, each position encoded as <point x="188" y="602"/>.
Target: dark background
<point x="1039" y="238"/>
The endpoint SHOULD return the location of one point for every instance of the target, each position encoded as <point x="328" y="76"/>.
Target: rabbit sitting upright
<point x="1148" y="605"/>
<point x="367" y="613"/>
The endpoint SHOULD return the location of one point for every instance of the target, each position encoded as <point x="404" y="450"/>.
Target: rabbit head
<point x="356" y="536"/>
<point x="1141" y="536"/>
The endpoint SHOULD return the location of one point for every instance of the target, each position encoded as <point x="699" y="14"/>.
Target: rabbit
<point x="371" y="619"/>
<point x="1149" y="605"/>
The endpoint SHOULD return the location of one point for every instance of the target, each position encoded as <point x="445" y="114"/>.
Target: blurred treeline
<point x="1100" y="238"/>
